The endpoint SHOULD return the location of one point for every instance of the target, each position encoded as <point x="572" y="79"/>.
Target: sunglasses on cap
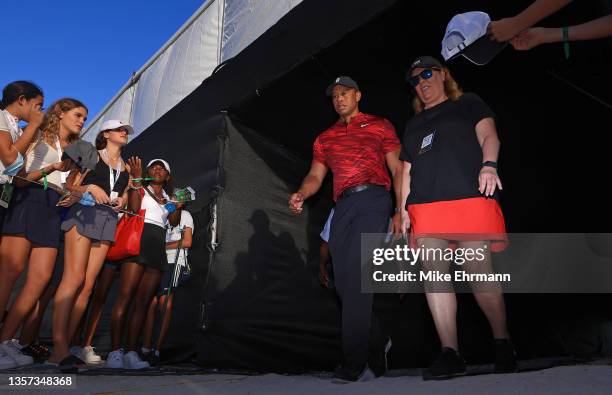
<point x="425" y="74"/>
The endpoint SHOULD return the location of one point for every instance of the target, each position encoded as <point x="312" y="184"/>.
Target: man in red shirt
<point x="358" y="148"/>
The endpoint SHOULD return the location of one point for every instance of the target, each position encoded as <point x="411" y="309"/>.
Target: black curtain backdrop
<point x="243" y="140"/>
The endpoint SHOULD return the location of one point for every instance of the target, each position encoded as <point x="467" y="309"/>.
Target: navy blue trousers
<point x="363" y="212"/>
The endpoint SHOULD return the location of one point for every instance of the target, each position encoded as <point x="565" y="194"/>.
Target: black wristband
<point x="490" y="164"/>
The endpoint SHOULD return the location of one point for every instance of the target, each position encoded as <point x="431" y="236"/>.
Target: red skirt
<point x="473" y="219"/>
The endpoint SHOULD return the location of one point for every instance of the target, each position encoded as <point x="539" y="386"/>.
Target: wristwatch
<point x="490" y="164"/>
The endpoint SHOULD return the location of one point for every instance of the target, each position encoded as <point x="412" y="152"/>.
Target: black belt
<point x="358" y="188"/>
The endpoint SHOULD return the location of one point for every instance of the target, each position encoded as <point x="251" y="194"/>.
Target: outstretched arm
<point x="530" y="38"/>
<point x="507" y="28"/>
<point x="311" y="185"/>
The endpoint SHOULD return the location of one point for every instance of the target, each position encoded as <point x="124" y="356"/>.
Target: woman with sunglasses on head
<point x="89" y="231"/>
<point x="450" y="150"/>
<point x="142" y="274"/>
<point x="31" y="228"/>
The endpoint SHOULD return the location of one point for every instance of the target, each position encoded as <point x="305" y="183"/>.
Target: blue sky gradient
<point x="85" y="49"/>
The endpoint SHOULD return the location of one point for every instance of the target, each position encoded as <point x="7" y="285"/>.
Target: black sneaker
<point x="448" y="365"/>
<point x="152" y="358"/>
<point x="505" y="357"/>
<point x="39" y="352"/>
<point x="378" y="360"/>
<point x="343" y="374"/>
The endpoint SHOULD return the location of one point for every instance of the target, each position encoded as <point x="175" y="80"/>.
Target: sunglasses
<point x="120" y="130"/>
<point x="425" y="74"/>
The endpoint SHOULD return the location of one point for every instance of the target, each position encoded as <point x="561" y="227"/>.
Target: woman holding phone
<point x="89" y="231"/>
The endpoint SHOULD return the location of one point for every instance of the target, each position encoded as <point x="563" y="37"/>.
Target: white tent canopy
<point x="216" y="32"/>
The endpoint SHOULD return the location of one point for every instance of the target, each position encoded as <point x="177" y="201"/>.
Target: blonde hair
<point x="49" y="130"/>
<point x="451" y="88"/>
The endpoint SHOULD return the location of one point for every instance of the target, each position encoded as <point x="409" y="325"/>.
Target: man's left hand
<point x="396" y="226"/>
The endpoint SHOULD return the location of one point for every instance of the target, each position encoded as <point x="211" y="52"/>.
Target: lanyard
<point x="112" y="180"/>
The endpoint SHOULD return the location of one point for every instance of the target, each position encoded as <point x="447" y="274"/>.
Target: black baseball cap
<point x="344" y="81"/>
<point x="423" y="61"/>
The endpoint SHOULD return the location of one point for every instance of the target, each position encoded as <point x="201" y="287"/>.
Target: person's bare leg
<point x="442" y="305"/>
<point x="146" y="290"/>
<point x="14" y="251"/>
<point x="97" y="255"/>
<point x="76" y="255"/>
<point x="147" y="336"/>
<point x="167" y="317"/>
<point x="131" y="274"/>
<point x="40" y="269"/>
<point x="489" y="296"/>
<point x="97" y="303"/>
<point x="31" y="326"/>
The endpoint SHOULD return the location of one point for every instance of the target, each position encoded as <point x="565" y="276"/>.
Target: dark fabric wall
<point x="264" y="307"/>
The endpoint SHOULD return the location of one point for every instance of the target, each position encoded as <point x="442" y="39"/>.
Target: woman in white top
<point x="32" y="224"/>
<point x="176" y="236"/>
<point x="141" y="275"/>
<point x="21" y="101"/>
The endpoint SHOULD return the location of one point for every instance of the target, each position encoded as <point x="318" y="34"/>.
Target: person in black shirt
<point x="89" y="232"/>
<point x="449" y="195"/>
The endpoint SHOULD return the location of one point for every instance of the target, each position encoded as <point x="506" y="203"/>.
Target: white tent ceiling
<point x="216" y="32"/>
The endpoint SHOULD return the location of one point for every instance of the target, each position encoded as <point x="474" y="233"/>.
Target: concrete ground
<point x="575" y="379"/>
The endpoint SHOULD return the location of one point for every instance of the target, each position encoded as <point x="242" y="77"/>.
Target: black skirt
<point x="152" y="248"/>
<point x="33" y="214"/>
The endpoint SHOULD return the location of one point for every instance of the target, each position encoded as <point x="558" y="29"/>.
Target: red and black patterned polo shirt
<point x="355" y="152"/>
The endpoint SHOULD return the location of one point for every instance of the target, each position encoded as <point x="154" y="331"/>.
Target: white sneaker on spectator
<point x="90" y="357"/>
<point x="114" y="360"/>
<point x="14" y="352"/>
<point x="6" y="362"/>
<point x="17" y="344"/>
<point x="132" y="361"/>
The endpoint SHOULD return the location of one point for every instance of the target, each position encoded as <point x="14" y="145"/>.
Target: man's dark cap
<point x="425" y="62"/>
<point x="82" y="153"/>
<point x="344" y="81"/>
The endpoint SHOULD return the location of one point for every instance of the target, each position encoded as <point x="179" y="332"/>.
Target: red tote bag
<point x="127" y="237"/>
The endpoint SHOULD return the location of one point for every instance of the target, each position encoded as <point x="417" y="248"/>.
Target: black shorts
<point x="152" y="248"/>
<point x="34" y="215"/>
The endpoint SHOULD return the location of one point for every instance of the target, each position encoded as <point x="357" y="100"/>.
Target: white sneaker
<point x="6" y="362"/>
<point x="14" y="352"/>
<point x="114" y="360"/>
<point x="17" y="344"/>
<point x="90" y="357"/>
<point x="132" y="360"/>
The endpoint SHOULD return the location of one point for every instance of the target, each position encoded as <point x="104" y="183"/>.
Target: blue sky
<point x="85" y="49"/>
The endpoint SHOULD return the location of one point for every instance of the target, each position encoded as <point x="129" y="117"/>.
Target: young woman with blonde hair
<point x="32" y="224"/>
